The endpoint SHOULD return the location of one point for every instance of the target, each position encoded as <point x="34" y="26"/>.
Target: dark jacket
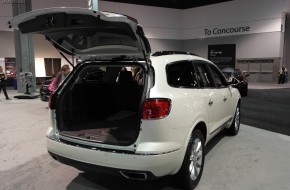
<point x="3" y="78"/>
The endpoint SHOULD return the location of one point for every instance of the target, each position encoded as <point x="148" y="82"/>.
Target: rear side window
<point x="181" y="75"/>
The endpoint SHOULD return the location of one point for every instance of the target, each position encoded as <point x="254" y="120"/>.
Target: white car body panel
<point x="159" y="164"/>
<point x="161" y="144"/>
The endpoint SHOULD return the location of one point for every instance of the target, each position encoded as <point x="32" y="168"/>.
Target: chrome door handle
<point x="210" y="103"/>
<point x="225" y="99"/>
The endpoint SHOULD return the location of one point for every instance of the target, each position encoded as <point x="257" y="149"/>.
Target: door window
<point x="203" y="75"/>
<point x="218" y="77"/>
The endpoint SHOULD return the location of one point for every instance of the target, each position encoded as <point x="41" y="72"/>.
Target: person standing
<point x="282" y="75"/>
<point x="3" y="79"/>
<point x="64" y="71"/>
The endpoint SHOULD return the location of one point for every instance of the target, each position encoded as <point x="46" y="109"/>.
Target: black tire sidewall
<point x="232" y="130"/>
<point x="183" y="175"/>
<point x="41" y="98"/>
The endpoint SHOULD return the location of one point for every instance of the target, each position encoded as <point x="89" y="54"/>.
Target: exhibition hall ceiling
<point x="176" y="4"/>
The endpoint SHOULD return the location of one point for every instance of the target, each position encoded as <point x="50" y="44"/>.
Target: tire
<point x="235" y="126"/>
<point x="246" y="91"/>
<point x="192" y="166"/>
<point x="42" y="98"/>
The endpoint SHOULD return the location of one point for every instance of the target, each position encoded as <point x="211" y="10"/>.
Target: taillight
<point x="242" y="77"/>
<point x="156" y="108"/>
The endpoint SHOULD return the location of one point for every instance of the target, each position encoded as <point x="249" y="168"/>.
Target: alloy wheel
<point x="237" y="119"/>
<point x="196" y="160"/>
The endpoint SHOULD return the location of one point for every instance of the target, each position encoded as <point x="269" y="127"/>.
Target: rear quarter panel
<point x="188" y="108"/>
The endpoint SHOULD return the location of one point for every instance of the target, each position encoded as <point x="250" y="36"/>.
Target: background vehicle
<point x="144" y="124"/>
<point x="44" y="91"/>
<point x="238" y="79"/>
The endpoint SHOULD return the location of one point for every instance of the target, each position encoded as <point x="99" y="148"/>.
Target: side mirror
<point x="233" y="81"/>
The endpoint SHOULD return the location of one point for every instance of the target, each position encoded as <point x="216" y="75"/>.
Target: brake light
<point x="242" y="77"/>
<point x="156" y="108"/>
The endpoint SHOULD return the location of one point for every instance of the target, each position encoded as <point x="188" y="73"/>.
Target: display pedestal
<point x="27" y="78"/>
<point x="27" y="96"/>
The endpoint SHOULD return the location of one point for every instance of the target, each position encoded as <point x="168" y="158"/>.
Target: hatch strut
<point x="144" y="41"/>
<point x="66" y="58"/>
<point x="146" y="61"/>
<point x="59" y="48"/>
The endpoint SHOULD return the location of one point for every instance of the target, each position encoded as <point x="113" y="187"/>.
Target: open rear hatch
<point x="86" y="33"/>
<point x="99" y="103"/>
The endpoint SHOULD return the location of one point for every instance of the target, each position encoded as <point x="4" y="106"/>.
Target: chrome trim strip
<point x="225" y="125"/>
<point x="112" y="150"/>
<point x="123" y="173"/>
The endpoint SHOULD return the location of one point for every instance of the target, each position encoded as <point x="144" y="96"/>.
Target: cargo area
<point x="103" y="105"/>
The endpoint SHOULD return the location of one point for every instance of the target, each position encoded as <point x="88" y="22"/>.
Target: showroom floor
<point x="255" y="159"/>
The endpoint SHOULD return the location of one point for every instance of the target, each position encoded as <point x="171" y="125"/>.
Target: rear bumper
<point x="112" y="162"/>
<point x="130" y="174"/>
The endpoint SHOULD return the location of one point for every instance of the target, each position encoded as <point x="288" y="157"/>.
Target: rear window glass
<point x="85" y="39"/>
<point x="113" y="74"/>
<point x="181" y="74"/>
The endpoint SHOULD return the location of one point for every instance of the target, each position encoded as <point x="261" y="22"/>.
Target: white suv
<point x="123" y="111"/>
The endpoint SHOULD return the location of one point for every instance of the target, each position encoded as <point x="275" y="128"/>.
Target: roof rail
<point x="159" y="53"/>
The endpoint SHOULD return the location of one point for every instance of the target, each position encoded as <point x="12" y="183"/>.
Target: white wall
<point x="7" y="44"/>
<point x="39" y="67"/>
<point x="5" y="15"/>
<point x="42" y="48"/>
<point x="247" y="46"/>
<point x="262" y="15"/>
<point x="265" y="17"/>
<point x="164" y="23"/>
<point x="40" y="4"/>
<point x="165" y="45"/>
<point x="157" y="22"/>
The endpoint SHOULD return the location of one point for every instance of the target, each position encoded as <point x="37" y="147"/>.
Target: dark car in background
<point x="44" y="91"/>
<point x="238" y="79"/>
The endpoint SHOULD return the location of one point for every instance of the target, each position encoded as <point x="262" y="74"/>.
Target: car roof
<point x="165" y="59"/>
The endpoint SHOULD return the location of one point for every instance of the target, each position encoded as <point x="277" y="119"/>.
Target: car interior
<point x="103" y="105"/>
